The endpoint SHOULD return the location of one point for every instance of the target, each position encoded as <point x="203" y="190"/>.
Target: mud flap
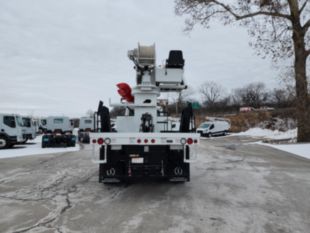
<point x="179" y="172"/>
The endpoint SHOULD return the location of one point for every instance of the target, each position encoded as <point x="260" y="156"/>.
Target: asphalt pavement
<point x="236" y="186"/>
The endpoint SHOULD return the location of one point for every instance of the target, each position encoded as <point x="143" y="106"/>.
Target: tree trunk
<point x="303" y="101"/>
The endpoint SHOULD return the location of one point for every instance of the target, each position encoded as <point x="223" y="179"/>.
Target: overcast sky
<point x="61" y="57"/>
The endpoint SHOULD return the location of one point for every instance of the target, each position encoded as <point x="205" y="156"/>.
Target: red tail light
<point x="138" y="140"/>
<point x="189" y="141"/>
<point x="94" y="141"/>
<point x="146" y="141"/>
<point x="153" y="141"/>
<point x="100" y="141"/>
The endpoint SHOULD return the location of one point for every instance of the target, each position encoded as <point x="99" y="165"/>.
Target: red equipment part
<point x="125" y="92"/>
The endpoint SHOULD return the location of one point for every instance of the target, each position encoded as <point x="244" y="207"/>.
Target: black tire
<point x="4" y="142"/>
<point x="24" y="142"/>
<point x="44" y="143"/>
<point x="70" y="142"/>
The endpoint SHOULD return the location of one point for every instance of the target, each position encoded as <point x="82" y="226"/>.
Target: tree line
<point x="215" y="98"/>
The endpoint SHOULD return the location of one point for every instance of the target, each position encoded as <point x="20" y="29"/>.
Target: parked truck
<point x="29" y="128"/>
<point x="144" y="146"/>
<point x="11" y="130"/>
<point x="58" y="132"/>
<point x="86" y="126"/>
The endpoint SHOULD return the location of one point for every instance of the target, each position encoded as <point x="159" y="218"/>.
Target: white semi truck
<point x="144" y="145"/>
<point x="58" y="132"/>
<point x="11" y="130"/>
<point x="86" y="126"/>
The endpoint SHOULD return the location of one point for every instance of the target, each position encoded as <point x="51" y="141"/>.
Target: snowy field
<point x="302" y="149"/>
<point x="33" y="147"/>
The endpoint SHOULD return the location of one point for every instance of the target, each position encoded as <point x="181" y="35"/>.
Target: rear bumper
<point x="157" y="162"/>
<point x="51" y="140"/>
<point x="13" y="139"/>
<point x="28" y="136"/>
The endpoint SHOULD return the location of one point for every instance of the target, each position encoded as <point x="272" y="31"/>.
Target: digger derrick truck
<point x="142" y="145"/>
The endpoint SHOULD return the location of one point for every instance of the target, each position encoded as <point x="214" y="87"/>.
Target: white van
<point x="213" y="128"/>
<point x="11" y="130"/>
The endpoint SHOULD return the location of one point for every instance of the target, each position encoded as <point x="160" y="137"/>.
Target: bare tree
<point x="282" y="97"/>
<point x="285" y="94"/>
<point x="182" y="97"/>
<point x="253" y="94"/>
<point x="279" y="28"/>
<point x="235" y="98"/>
<point x="211" y="93"/>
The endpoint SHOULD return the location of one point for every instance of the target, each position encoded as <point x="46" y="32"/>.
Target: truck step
<point x="178" y="179"/>
<point x="111" y="180"/>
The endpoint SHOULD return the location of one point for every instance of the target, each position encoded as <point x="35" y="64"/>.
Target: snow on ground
<point x="302" y="149"/>
<point x="33" y="147"/>
<point x="267" y="133"/>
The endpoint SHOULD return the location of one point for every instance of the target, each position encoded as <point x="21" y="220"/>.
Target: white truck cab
<point x="214" y="127"/>
<point x="30" y="128"/>
<point x="11" y="130"/>
<point x="86" y="125"/>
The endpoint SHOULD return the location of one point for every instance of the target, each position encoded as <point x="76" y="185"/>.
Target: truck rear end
<point x="125" y="157"/>
<point x="146" y="144"/>
<point x="58" y="133"/>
